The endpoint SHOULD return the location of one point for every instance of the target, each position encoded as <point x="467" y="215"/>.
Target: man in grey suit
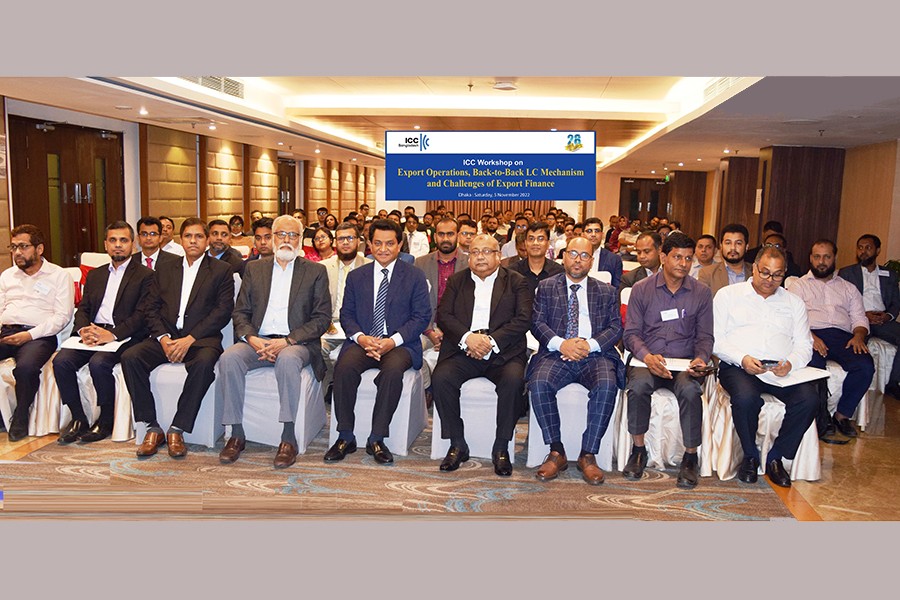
<point x="646" y="248"/>
<point x="881" y="299"/>
<point x="281" y="312"/>
<point x="732" y="269"/>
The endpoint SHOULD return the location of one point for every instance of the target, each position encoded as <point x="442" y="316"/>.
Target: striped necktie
<point x="380" y="304"/>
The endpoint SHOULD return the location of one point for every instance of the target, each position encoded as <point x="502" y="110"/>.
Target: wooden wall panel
<point x="737" y="195"/>
<point x="687" y="194"/>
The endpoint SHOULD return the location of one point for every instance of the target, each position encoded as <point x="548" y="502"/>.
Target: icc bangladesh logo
<point x="423" y="142"/>
<point x="574" y="142"/>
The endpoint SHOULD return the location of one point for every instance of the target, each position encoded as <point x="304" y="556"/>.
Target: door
<point x="643" y="199"/>
<point x="68" y="181"/>
<point x="287" y="184"/>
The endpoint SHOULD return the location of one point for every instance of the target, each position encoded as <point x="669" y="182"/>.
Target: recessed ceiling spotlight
<point x="653" y="172"/>
<point x="353" y="159"/>
<point x="681" y="164"/>
<point x="505" y="86"/>
<point x="553" y="129"/>
<point x="318" y="151"/>
<point x="416" y="127"/>
<point x="144" y="112"/>
<point x="726" y="151"/>
<point x="281" y="143"/>
<point x="212" y="127"/>
<point x="665" y="168"/>
<point x="699" y="159"/>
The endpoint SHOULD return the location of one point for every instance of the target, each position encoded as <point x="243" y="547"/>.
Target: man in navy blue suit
<point x="385" y="310"/>
<point x="604" y="260"/>
<point x="577" y="322"/>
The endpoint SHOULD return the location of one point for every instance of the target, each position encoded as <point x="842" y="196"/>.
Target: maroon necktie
<point x="149" y="262"/>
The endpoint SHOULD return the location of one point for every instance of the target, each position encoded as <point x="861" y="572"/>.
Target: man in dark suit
<point x="220" y="246"/>
<point x="385" y="310"/>
<point x="603" y="259"/>
<point x="262" y="239"/>
<point x="646" y="248"/>
<point x="108" y="312"/>
<point x="484" y="313"/>
<point x="881" y="299"/>
<point x="185" y="318"/>
<point x="282" y="310"/>
<point x="576" y="320"/>
<point x="149" y="230"/>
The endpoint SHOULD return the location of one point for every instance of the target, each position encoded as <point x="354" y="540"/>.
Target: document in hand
<point x="794" y="377"/>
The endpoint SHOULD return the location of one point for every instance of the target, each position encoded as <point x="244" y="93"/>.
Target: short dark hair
<point x="263" y="223"/>
<point x="675" y="224"/>
<point x="593" y="221"/>
<point x="236" y="219"/>
<point x="677" y="240"/>
<point x="215" y="222"/>
<point x="326" y="230"/>
<point x="191" y="221"/>
<point x="463" y="214"/>
<point x="386" y="225"/>
<point x="448" y="220"/>
<point x="321" y="208"/>
<point x="773" y="252"/>
<point x="413" y="218"/>
<point x="347" y="225"/>
<point x="538" y="226"/>
<point x="362" y="206"/>
<point x="121" y="225"/>
<point x="34" y="234"/>
<point x="148" y="221"/>
<point x="824" y="241"/>
<point x="707" y="236"/>
<point x="165" y="218"/>
<point x="657" y="239"/>
<point x="410" y="207"/>
<point x="773" y="226"/>
<point x="467" y="223"/>
<point x="774" y="235"/>
<point x="735" y="228"/>
<point x="876" y="241"/>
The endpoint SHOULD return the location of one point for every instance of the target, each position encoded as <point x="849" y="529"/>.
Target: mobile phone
<point x="769" y="364"/>
<point x="704" y="370"/>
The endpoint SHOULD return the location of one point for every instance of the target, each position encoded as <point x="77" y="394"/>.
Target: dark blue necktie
<point x="380" y="304"/>
<point x="572" y="324"/>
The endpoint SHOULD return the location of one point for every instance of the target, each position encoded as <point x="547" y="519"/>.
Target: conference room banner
<point x="490" y="165"/>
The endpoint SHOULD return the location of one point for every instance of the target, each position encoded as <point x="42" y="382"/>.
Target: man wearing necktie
<point x="385" y="309"/>
<point x="149" y="237"/>
<point x="577" y="323"/>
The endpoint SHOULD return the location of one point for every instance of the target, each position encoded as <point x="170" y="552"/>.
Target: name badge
<point x="883" y="273"/>
<point x="669" y="315"/>
<point x="41" y="288"/>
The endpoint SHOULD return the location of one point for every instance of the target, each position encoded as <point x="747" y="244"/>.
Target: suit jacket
<point x="309" y="305"/>
<point x="331" y="268"/>
<point x="632" y="277"/>
<point x="890" y="293"/>
<point x="163" y="258"/>
<point x="428" y="264"/>
<point x="715" y="276"/>
<point x="551" y="315"/>
<point x="408" y="311"/>
<point x="611" y="262"/>
<point x="234" y="259"/>
<point x="135" y="286"/>
<point x="511" y="305"/>
<point x="209" y="306"/>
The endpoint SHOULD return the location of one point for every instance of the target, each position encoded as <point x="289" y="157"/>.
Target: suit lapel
<point x="97" y="300"/>
<point x="264" y="289"/>
<point x="126" y="279"/>
<point x="296" y="281"/>
<point x="499" y="287"/>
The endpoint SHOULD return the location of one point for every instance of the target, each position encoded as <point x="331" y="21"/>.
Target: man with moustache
<point x="704" y="254"/>
<point x="576" y="320"/>
<point x="281" y="312"/>
<point x="466" y="231"/>
<point x="520" y="225"/>
<point x="484" y="313"/>
<point x="167" y="242"/>
<point x="837" y="320"/>
<point x="185" y="314"/>
<point x="647" y="250"/>
<point x="262" y="240"/>
<point x="149" y="231"/>
<point x="733" y="269"/>
<point x="603" y="259"/>
<point x="108" y="312"/>
<point x="669" y="316"/>
<point x="36" y="303"/>
<point x="384" y="312"/>
<point x="881" y="299"/>
<point x="220" y="246"/>
<point x="536" y="267"/>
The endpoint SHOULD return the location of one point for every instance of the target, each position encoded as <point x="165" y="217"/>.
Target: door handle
<point x="77" y="193"/>
<point x="90" y="195"/>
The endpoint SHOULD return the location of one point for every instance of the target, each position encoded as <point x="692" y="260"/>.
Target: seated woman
<point x="236" y="225"/>
<point x="323" y="245"/>
<point x="331" y="222"/>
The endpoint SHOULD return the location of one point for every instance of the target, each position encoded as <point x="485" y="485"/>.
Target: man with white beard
<point x="283" y="309"/>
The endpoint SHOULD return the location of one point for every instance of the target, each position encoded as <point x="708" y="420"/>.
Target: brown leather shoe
<point x="553" y="464"/>
<point x="286" y="455"/>
<point x="590" y="472"/>
<point x="152" y="441"/>
<point x="175" y="441"/>
<point x="232" y="450"/>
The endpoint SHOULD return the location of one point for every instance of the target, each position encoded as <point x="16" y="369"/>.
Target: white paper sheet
<point x="74" y="343"/>
<point x="672" y="364"/>
<point x="794" y="377"/>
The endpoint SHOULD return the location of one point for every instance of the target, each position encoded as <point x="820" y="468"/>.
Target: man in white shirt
<point x="416" y="241"/>
<point x="758" y="327"/>
<point x="168" y="234"/>
<point x="281" y="312"/>
<point x="508" y="250"/>
<point x="37" y="299"/>
<point x="705" y="255"/>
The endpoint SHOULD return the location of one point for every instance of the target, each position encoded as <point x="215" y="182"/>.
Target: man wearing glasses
<point x="536" y="267"/>
<point x="604" y="260"/>
<point x="576" y="320"/>
<point x="149" y="238"/>
<point x="484" y="314"/>
<point x="281" y="312"/>
<point x="758" y="326"/>
<point x="36" y="302"/>
<point x="508" y="250"/>
<point x="837" y="319"/>
<point x="468" y="229"/>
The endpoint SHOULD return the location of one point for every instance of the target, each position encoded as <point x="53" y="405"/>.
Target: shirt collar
<point x="389" y="267"/>
<point x="490" y="279"/>
<point x="121" y="267"/>
<point x="196" y="265"/>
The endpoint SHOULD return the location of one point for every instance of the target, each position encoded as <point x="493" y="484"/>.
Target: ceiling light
<point x="416" y="127"/>
<point x="665" y="168"/>
<point x="122" y="107"/>
<point x="726" y="151"/>
<point x="318" y="151"/>
<point x="144" y="112"/>
<point x="653" y="172"/>
<point x="505" y="86"/>
<point x="353" y="160"/>
<point x="681" y="164"/>
<point x="281" y="143"/>
<point x="553" y="129"/>
<point x="699" y="159"/>
<point x="212" y="127"/>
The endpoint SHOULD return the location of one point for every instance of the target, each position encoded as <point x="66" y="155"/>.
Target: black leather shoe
<point x="17" y="431"/>
<point x="380" y="453"/>
<point x="844" y="426"/>
<point x="72" y="431"/>
<point x="95" y="434"/>
<point x="339" y="450"/>
<point x="749" y="470"/>
<point x="502" y="464"/>
<point x="455" y="457"/>
<point x="637" y="462"/>
<point x="893" y="389"/>
<point x="777" y="474"/>
<point x="688" y="473"/>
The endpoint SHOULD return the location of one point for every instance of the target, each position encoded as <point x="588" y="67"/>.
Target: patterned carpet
<point x="106" y="479"/>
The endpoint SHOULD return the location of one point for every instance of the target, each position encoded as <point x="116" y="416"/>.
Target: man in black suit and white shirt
<point x="149" y="237"/>
<point x="185" y="318"/>
<point x="881" y="299"/>
<point x="108" y="312"/>
<point x="484" y="314"/>
<point x="220" y="246"/>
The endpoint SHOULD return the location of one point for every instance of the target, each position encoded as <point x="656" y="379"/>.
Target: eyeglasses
<point x="778" y="277"/>
<point x="779" y="246"/>
<point x="346" y="239"/>
<point x="293" y="235"/>
<point x="575" y="254"/>
<point x="22" y="247"/>
<point x="539" y="239"/>
<point x="322" y="238"/>
<point x="467" y="233"/>
<point x="149" y="234"/>
<point x="482" y="252"/>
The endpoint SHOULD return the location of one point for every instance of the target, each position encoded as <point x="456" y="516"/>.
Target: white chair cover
<point x="44" y="417"/>
<point x="478" y="407"/>
<point x="604" y="276"/>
